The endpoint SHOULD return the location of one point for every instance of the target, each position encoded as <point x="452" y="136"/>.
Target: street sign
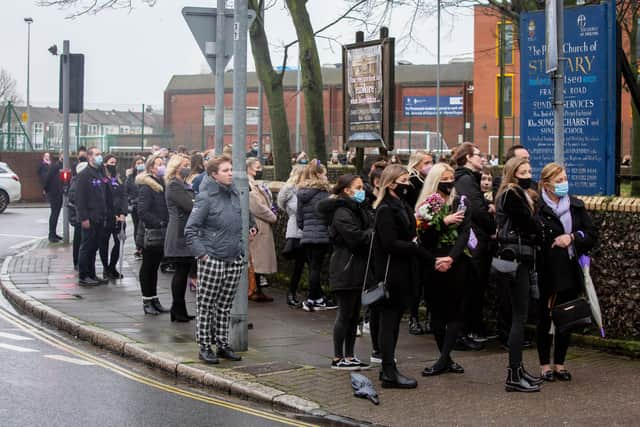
<point x="202" y="23"/>
<point x="25" y="117"/>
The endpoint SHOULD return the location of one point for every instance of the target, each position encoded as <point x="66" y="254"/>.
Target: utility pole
<point x="299" y="83"/>
<point x="66" y="80"/>
<point x="438" y="86"/>
<point x="558" y="90"/>
<point x="29" y="21"/>
<point x="239" y="326"/>
<point x="220" y="64"/>
<point x="142" y="131"/>
<point x="501" y="90"/>
<point x="260" y="102"/>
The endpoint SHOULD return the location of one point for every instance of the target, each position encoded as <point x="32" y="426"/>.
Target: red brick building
<point x="186" y="95"/>
<point x="486" y="71"/>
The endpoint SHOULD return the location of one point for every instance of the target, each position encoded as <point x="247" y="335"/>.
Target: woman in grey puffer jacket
<point x="313" y="188"/>
<point x="288" y="202"/>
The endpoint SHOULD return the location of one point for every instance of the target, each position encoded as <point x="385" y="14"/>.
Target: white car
<point x="10" y="188"/>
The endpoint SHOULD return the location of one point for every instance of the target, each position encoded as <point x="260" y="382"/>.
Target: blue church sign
<point x="589" y="96"/>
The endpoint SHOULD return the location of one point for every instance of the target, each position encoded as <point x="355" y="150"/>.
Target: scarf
<point x="563" y="212"/>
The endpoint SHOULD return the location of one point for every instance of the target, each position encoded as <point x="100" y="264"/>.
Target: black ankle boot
<point x="156" y="304"/>
<point x="531" y="379"/>
<point x="208" y="356"/>
<point x="392" y="378"/>
<point x="148" y="308"/>
<point x="516" y="382"/>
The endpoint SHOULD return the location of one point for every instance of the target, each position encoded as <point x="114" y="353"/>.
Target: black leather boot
<point x="156" y="304"/>
<point x="516" y="382"/>
<point x="148" y="308"/>
<point x="392" y="378"/>
<point x="531" y="379"/>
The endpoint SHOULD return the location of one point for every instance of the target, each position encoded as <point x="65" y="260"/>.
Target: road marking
<point x="21" y="236"/>
<point x="27" y="243"/>
<point x="43" y="336"/>
<point x="73" y="360"/>
<point x="16" y="348"/>
<point x="14" y="337"/>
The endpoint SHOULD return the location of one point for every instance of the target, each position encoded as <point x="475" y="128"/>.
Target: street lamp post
<point x="29" y="21"/>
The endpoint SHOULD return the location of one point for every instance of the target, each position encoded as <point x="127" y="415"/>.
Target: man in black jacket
<point x="53" y="189"/>
<point x="91" y="205"/>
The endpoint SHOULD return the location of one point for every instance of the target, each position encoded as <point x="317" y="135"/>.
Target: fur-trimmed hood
<point x="145" y="179"/>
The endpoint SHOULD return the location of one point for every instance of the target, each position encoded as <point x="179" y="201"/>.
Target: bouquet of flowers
<point x="430" y="215"/>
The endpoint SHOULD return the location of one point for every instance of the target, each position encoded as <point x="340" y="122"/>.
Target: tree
<point x="7" y="88"/>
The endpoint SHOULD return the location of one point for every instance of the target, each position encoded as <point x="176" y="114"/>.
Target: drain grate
<point x="267" y="368"/>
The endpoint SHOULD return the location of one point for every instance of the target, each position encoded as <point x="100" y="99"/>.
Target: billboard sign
<point x="589" y="98"/>
<point x="425" y="106"/>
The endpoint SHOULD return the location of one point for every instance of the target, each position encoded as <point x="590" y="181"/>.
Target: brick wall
<point x="25" y="165"/>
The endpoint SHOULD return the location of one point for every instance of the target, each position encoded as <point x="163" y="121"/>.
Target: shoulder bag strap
<point x="366" y="272"/>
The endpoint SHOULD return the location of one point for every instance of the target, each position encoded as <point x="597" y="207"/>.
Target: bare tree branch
<point x="8" y="88"/>
<point x="91" y="7"/>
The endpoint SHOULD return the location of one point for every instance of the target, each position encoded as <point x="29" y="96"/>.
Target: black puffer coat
<point x="467" y="184"/>
<point x="557" y="271"/>
<point x="179" y="203"/>
<point x="395" y="228"/>
<point x="350" y="231"/>
<point x="152" y="206"/>
<point x="312" y="223"/>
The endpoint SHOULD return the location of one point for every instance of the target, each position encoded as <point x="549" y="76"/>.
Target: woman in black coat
<point x="350" y="232"/>
<point x="179" y="198"/>
<point x="518" y="235"/>
<point x="132" y="198"/>
<point x="446" y="235"/>
<point x="568" y="233"/>
<point x="152" y="208"/>
<point x="398" y="258"/>
<point x="116" y="216"/>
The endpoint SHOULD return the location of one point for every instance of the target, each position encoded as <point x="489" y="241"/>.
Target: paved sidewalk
<point x="290" y="353"/>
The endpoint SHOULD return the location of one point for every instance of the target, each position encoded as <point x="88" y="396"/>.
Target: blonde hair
<point x="314" y="176"/>
<point x="388" y="177"/>
<point x="296" y="175"/>
<point x="509" y="179"/>
<point x="226" y="151"/>
<point x="549" y="172"/>
<point x="173" y="166"/>
<point x="416" y="158"/>
<point x="432" y="180"/>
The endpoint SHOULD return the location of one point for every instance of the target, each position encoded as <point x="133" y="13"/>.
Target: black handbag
<point x="291" y="246"/>
<point x="154" y="238"/>
<point x="378" y="292"/>
<point x="571" y="315"/>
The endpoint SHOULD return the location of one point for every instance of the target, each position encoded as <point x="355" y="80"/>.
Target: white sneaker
<point x="365" y="329"/>
<point x="359" y="331"/>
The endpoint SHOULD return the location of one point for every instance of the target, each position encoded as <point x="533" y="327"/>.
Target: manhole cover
<point x="267" y="368"/>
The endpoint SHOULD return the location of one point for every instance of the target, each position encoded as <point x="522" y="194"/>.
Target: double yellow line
<point x="42" y="336"/>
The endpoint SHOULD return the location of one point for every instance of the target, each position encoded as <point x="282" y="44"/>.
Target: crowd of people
<point x="425" y="233"/>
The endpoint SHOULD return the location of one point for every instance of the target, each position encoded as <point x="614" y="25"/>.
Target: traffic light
<point x="76" y="83"/>
<point x="65" y="177"/>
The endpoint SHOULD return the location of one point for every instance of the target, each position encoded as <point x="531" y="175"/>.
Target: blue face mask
<point x="561" y="189"/>
<point x="358" y="196"/>
<point x="303" y="161"/>
<point x="140" y="168"/>
<point x="98" y="160"/>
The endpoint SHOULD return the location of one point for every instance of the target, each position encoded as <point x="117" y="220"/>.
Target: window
<point x="508" y="95"/>
<point x="38" y="127"/>
<point x="124" y="130"/>
<point x="508" y="43"/>
<point x="93" y="130"/>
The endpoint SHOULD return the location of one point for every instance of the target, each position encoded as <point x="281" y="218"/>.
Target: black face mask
<point x="112" y="170"/>
<point x="524" y="183"/>
<point x="82" y="159"/>
<point x="402" y="190"/>
<point x="259" y="174"/>
<point x="445" y="187"/>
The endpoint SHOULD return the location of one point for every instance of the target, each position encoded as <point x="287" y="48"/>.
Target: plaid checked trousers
<point x="217" y="284"/>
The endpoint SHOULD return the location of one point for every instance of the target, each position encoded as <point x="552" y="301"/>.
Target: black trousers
<point x="91" y="239"/>
<point x="151" y="259"/>
<point x="55" y="203"/>
<point x="77" y="239"/>
<point x="315" y="258"/>
<point x="344" y="329"/>
<point x="135" y="219"/>
<point x="390" y="313"/>
<point x="179" y="284"/>
<point x="109" y="263"/>
<point x="298" y="265"/>
<point x="519" y="292"/>
<point x="544" y="339"/>
<point x="481" y="265"/>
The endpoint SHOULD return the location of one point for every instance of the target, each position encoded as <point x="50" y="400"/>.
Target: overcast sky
<point x="130" y="56"/>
